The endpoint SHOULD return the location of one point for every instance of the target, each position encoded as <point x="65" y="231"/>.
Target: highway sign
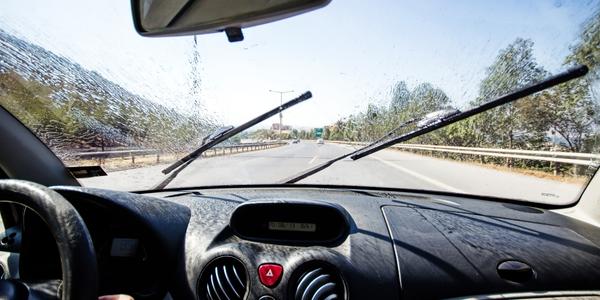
<point x="318" y="132"/>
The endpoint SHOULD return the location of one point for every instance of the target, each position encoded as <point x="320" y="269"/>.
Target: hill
<point x="73" y="109"/>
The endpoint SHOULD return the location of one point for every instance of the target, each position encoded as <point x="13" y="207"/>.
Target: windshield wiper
<point x="447" y="119"/>
<point x="225" y="133"/>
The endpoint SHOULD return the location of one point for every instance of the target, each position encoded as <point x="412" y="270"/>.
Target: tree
<point x="510" y="125"/>
<point x="573" y="115"/>
<point x="426" y="98"/>
<point x="574" y="111"/>
<point x="376" y="121"/>
<point x="326" y="132"/>
<point x="585" y="51"/>
<point x="400" y="97"/>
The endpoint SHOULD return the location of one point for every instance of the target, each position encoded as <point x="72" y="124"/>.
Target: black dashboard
<point x="326" y="243"/>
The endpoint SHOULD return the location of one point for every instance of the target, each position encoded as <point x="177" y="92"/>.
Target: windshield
<point x="79" y="76"/>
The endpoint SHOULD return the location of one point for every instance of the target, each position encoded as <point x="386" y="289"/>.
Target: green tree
<point x="510" y="125"/>
<point x="573" y="106"/>
<point x="400" y="97"/>
<point x="426" y="98"/>
<point x="586" y="50"/>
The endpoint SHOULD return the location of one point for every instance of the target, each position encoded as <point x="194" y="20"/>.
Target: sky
<point x="348" y="54"/>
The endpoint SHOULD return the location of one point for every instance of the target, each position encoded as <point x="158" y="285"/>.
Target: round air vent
<point x="319" y="283"/>
<point x="223" y="278"/>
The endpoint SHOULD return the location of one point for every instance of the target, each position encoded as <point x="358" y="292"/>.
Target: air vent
<point x="223" y="278"/>
<point x="319" y="283"/>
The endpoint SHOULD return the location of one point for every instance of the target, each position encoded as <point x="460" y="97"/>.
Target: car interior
<point x="287" y="240"/>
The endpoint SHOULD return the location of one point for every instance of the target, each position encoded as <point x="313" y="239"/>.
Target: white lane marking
<point x="420" y="176"/>
<point x="313" y="159"/>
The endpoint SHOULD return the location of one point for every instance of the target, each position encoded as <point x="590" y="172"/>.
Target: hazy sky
<point x="348" y="54"/>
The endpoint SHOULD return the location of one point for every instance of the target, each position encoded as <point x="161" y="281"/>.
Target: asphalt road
<point x="388" y="168"/>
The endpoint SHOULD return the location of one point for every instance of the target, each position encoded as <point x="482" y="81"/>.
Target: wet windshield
<point x="79" y="76"/>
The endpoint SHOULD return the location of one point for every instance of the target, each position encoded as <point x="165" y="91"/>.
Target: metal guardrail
<point x="216" y="151"/>
<point x="115" y="153"/>
<point x="585" y="159"/>
<point x="516" y="151"/>
<point x="550" y="156"/>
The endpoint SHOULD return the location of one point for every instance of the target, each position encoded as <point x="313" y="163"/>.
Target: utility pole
<point x="280" y="104"/>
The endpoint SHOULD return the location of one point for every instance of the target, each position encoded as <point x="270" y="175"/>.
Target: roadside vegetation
<point x="564" y="118"/>
<point x="92" y="124"/>
<point x="268" y="134"/>
<point x="73" y="109"/>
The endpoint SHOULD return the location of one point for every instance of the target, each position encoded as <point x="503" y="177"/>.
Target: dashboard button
<point x="269" y="274"/>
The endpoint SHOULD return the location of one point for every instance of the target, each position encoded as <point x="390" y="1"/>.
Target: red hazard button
<point x="269" y="274"/>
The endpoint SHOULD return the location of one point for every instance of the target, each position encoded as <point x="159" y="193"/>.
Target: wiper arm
<point x="549" y="82"/>
<point x="216" y="134"/>
<point x="328" y="163"/>
<point x="381" y="144"/>
<point x="219" y="137"/>
<point x="390" y="133"/>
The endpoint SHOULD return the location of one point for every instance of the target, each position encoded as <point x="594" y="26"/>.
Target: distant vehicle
<point x="295" y="141"/>
<point x="320" y="141"/>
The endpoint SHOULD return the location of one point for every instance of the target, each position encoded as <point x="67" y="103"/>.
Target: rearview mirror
<point x="191" y="17"/>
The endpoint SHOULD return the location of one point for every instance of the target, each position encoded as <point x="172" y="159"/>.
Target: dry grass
<point x="125" y="163"/>
<point x="536" y="173"/>
<point x="567" y="178"/>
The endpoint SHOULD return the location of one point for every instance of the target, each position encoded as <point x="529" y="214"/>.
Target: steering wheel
<point x="77" y="255"/>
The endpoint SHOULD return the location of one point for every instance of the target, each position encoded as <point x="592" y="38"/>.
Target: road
<point x="388" y="168"/>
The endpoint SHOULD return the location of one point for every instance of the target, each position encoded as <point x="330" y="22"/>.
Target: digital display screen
<point x="290" y="226"/>
<point x="122" y="247"/>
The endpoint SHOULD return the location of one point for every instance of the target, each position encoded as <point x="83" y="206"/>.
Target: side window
<point x="2" y="229"/>
<point x="10" y="239"/>
<point x="4" y="255"/>
<point x="9" y="213"/>
<point x="6" y="216"/>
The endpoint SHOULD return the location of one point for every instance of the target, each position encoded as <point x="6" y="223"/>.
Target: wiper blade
<point x="222" y="136"/>
<point x="328" y="163"/>
<point x="445" y="120"/>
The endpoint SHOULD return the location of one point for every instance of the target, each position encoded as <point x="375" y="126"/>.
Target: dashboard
<point x="329" y="243"/>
